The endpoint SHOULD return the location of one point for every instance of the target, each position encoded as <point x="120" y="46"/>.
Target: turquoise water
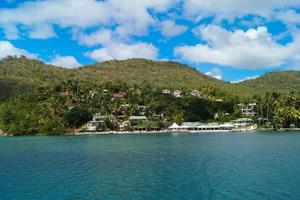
<point x="207" y="166"/>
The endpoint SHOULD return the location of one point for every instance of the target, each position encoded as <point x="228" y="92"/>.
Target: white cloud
<point x="42" y="32"/>
<point x="65" y="13"/>
<point x="8" y="49"/>
<point x="133" y="17"/>
<point x="215" y="73"/>
<point x="251" y="49"/>
<point x="228" y="9"/>
<point x="245" y="79"/>
<point x="113" y="47"/>
<point x="65" y="61"/>
<point x="289" y="17"/>
<point x="103" y="36"/>
<point x="129" y="17"/>
<point x="122" y="51"/>
<point x="170" y="29"/>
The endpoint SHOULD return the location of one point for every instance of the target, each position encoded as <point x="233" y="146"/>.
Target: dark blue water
<point x="213" y="166"/>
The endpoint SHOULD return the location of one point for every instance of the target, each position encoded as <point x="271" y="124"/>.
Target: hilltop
<point x="278" y="81"/>
<point x="24" y="75"/>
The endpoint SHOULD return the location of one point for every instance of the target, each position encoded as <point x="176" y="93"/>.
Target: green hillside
<point x="23" y="75"/>
<point x="280" y="81"/>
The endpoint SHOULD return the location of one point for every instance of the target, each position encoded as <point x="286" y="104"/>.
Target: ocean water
<point x="237" y="166"/>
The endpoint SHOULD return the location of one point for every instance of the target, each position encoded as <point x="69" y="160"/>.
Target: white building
<point x="195" y="93"/>
<point x="177" y="93"/>
<point x="166" y="91"/>
<point x="97" y="120"/>
<point x="247" y="109"/>
<point x="199" y="127"/>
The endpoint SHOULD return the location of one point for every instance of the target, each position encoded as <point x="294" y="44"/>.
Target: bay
<point x="186" y="166"/>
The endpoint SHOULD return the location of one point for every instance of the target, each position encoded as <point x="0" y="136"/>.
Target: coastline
<point x="160" y="132"/>
<point x="183" y="132"/>
<point x="156" y="132"/>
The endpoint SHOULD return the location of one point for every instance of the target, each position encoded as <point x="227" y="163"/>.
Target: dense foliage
<point x="36" y="100"/>
<point x="69" y="105"/>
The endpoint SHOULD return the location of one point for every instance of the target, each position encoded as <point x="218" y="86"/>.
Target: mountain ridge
<point x="23" y="74"/>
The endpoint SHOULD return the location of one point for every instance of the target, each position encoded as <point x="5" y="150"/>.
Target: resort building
<point x="96" y="122"/>
<point x="195" y="93"/>
<point x="93" y="92"/>
<point x="243" y="120"/>
<point x="125" y="105"/>
<point x="236" y="125"/>
<point x="177" y="93"/>
<point x="137" y="119"/>
<point x="166" y="91"/>
<point x="199" y="127"/>
<point x="119" y="95"/>
<point x="142" y="109"/>
<point x="247" y="109"/>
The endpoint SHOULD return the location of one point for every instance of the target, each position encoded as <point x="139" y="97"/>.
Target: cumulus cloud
<point x="129" y="17"/>
<point x="251" y="49"/>
<point x="215" y="73"/>
<point x="43" y="31"/>
<point x="170" y="29"/>
<point x="289" y="17"/>
<point x="102" y="36"/>
<point x="8" y="49"/>
<point x="113" y="47"/>
<point x="122" y="51"/>
<point x="65" y="61"/>
<point x="229" y="9"/>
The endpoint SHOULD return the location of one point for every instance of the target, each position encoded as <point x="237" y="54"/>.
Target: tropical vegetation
<point x="42" y="99"/>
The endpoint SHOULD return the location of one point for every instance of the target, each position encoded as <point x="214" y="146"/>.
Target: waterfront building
<point x="137" y="119"/>
<point x="199" y="127"/>
<point x="96" y="122"/>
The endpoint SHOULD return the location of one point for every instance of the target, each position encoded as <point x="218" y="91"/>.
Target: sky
<point x="232" y="40"/>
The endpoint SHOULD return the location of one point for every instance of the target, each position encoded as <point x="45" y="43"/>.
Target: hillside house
<point x="97" y="121"/>
<point x="119" y="95"/>
<point x="135" y="120"/>
<point x="166" y="91"/>
<point x="247" y="109"/>
<point x="142" y="109"/>
<point x="195" y="93"/>
<point x="177" y="93"/>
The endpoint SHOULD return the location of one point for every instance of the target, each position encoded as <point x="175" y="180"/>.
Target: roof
<point x="191" y="124"/>
<point x="174" y="125"/>
<point x="243" y="120"/>
<point x="138" y="118"/>
<point x="119" y="95"/>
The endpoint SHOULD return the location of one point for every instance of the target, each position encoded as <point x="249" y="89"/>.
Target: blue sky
<point x="231" y="40"/>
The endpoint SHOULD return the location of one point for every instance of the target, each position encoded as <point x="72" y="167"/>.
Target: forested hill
<point x="22" y="74"/>
<point x="278" y="81"/>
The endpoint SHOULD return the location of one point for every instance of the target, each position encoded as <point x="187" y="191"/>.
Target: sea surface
<point x="233" y="166"/>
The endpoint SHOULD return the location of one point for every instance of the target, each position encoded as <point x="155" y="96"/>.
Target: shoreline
<point x="157" y="132"/>
<point x="165" y="132"/>
<point x="182" y="132"/>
